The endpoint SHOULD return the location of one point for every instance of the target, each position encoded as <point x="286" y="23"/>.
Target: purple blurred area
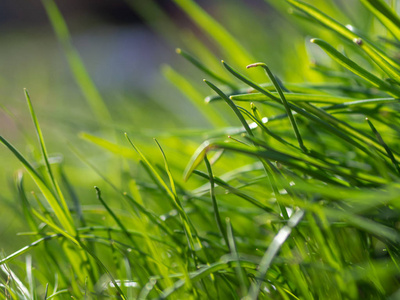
<point x="109" y="12"/>
<point x="31" y="13"/>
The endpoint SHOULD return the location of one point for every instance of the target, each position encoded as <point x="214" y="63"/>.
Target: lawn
<point x="226" y="150"/>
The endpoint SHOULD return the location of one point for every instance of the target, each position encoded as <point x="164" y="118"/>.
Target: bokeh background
<point x="125" y="46"/>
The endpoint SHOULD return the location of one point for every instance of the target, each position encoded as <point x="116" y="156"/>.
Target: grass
<point x="297" y="200"/>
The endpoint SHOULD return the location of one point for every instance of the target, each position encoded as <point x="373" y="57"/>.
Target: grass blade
<point x="62" y="216"/>
<point x="231" y="105"/>
<point x="272" y="252"/>
<point x="45" y="155"/>
<point x="342" y="30"/>
<point x="355" y="68"/>
<point x="232" y="246"/>
<point x="284" y="102"/>
<point x="385" y="15"/>
<point x="295" y="97"/>
<point x="203" y="68"/>
<point x="226" y="42"/>
<point x="381" y="141"/>
<point x="214" y="201"/>
<point x="76" y="64"/>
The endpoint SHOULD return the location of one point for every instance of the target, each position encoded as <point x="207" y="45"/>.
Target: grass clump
<point x="298" y="200"/>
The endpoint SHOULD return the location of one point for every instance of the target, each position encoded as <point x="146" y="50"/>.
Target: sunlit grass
<point x="297" y="199"/>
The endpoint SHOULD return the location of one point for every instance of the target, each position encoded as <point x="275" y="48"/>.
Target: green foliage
<point x="297" y="200"/>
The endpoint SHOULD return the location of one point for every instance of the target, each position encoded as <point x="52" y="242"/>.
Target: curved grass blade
<point x="298" y="161"/>
<point x="284" y="102"/>
<point x="152" y="216"/>
<point x="341" y="30"/>
<point x="72" y="193"/>
<point x="203" y="68"/>
<point x="261" y="125"/>
<point x="203" y="272"/>
<point x="235" y="191"/>
<point x="356" y="69"/>
<point x="174" y="199"/>
<point x="193" y="238"/>
<point x="231" y="105"/>
<point x="295" y="108"/>
<point x="272" y="252"/>
<point x="250" y="82"/>
<point x="55" y="227"/>
<point x="27" y="248"/>
<point x="381" y="141"/>
<point x="348" y="129"/>
<point x="56" y="294"/>
<point x="385" y="15"/>
<point x="196" y="159"/>
<point x="390" y="70"/>
<point x="113" y="215"/>
<point x="26" y="207"/>
<point x="61" y="215"/>
<point x="362" y="102"/>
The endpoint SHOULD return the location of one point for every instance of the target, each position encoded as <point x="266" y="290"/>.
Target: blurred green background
<point x="125" y="46"/>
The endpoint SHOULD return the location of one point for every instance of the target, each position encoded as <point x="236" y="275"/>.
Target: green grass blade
<point x="385" y="14"/>
<point x="72" y="194"/>
<point x="152" y="169"/>
<point x="112" y="147"/>
<point x="173" y="197"/>
<point x="171" y="180"/>
<point x="131" y="200"/>
<point x="340" y="29"/>
<point x="348" y="129"/>
<point x="113" y="215"/>
<point x="298" y="160"/>
<point x="62" y="216"/>
<point x="203" y="68"/>
<point x="295" y="97"/>
<point x="284" y="102"/>
<point x="232" y="246"/>
<point x="26" y="207"/>
<point x="355" y="68"/>
<point x="272" y="252"/>
<point x="392" y="71"/>
<point x="45" y="155"/>
<point x="306" y="114"/>
<point x="203" y="272"/>
<point x="250" y="82"/>
<point x="56" y="228"/>
<point x="214" y="201"/>
<point x="231" y="105"/>
<point x="227" y="43"/>
<point x="381" y="141"/>
<point x="27" y="248"/>
<point x="76" y="64"/>
<point x="235" y="191"/>
<point x="196" y="159"/>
